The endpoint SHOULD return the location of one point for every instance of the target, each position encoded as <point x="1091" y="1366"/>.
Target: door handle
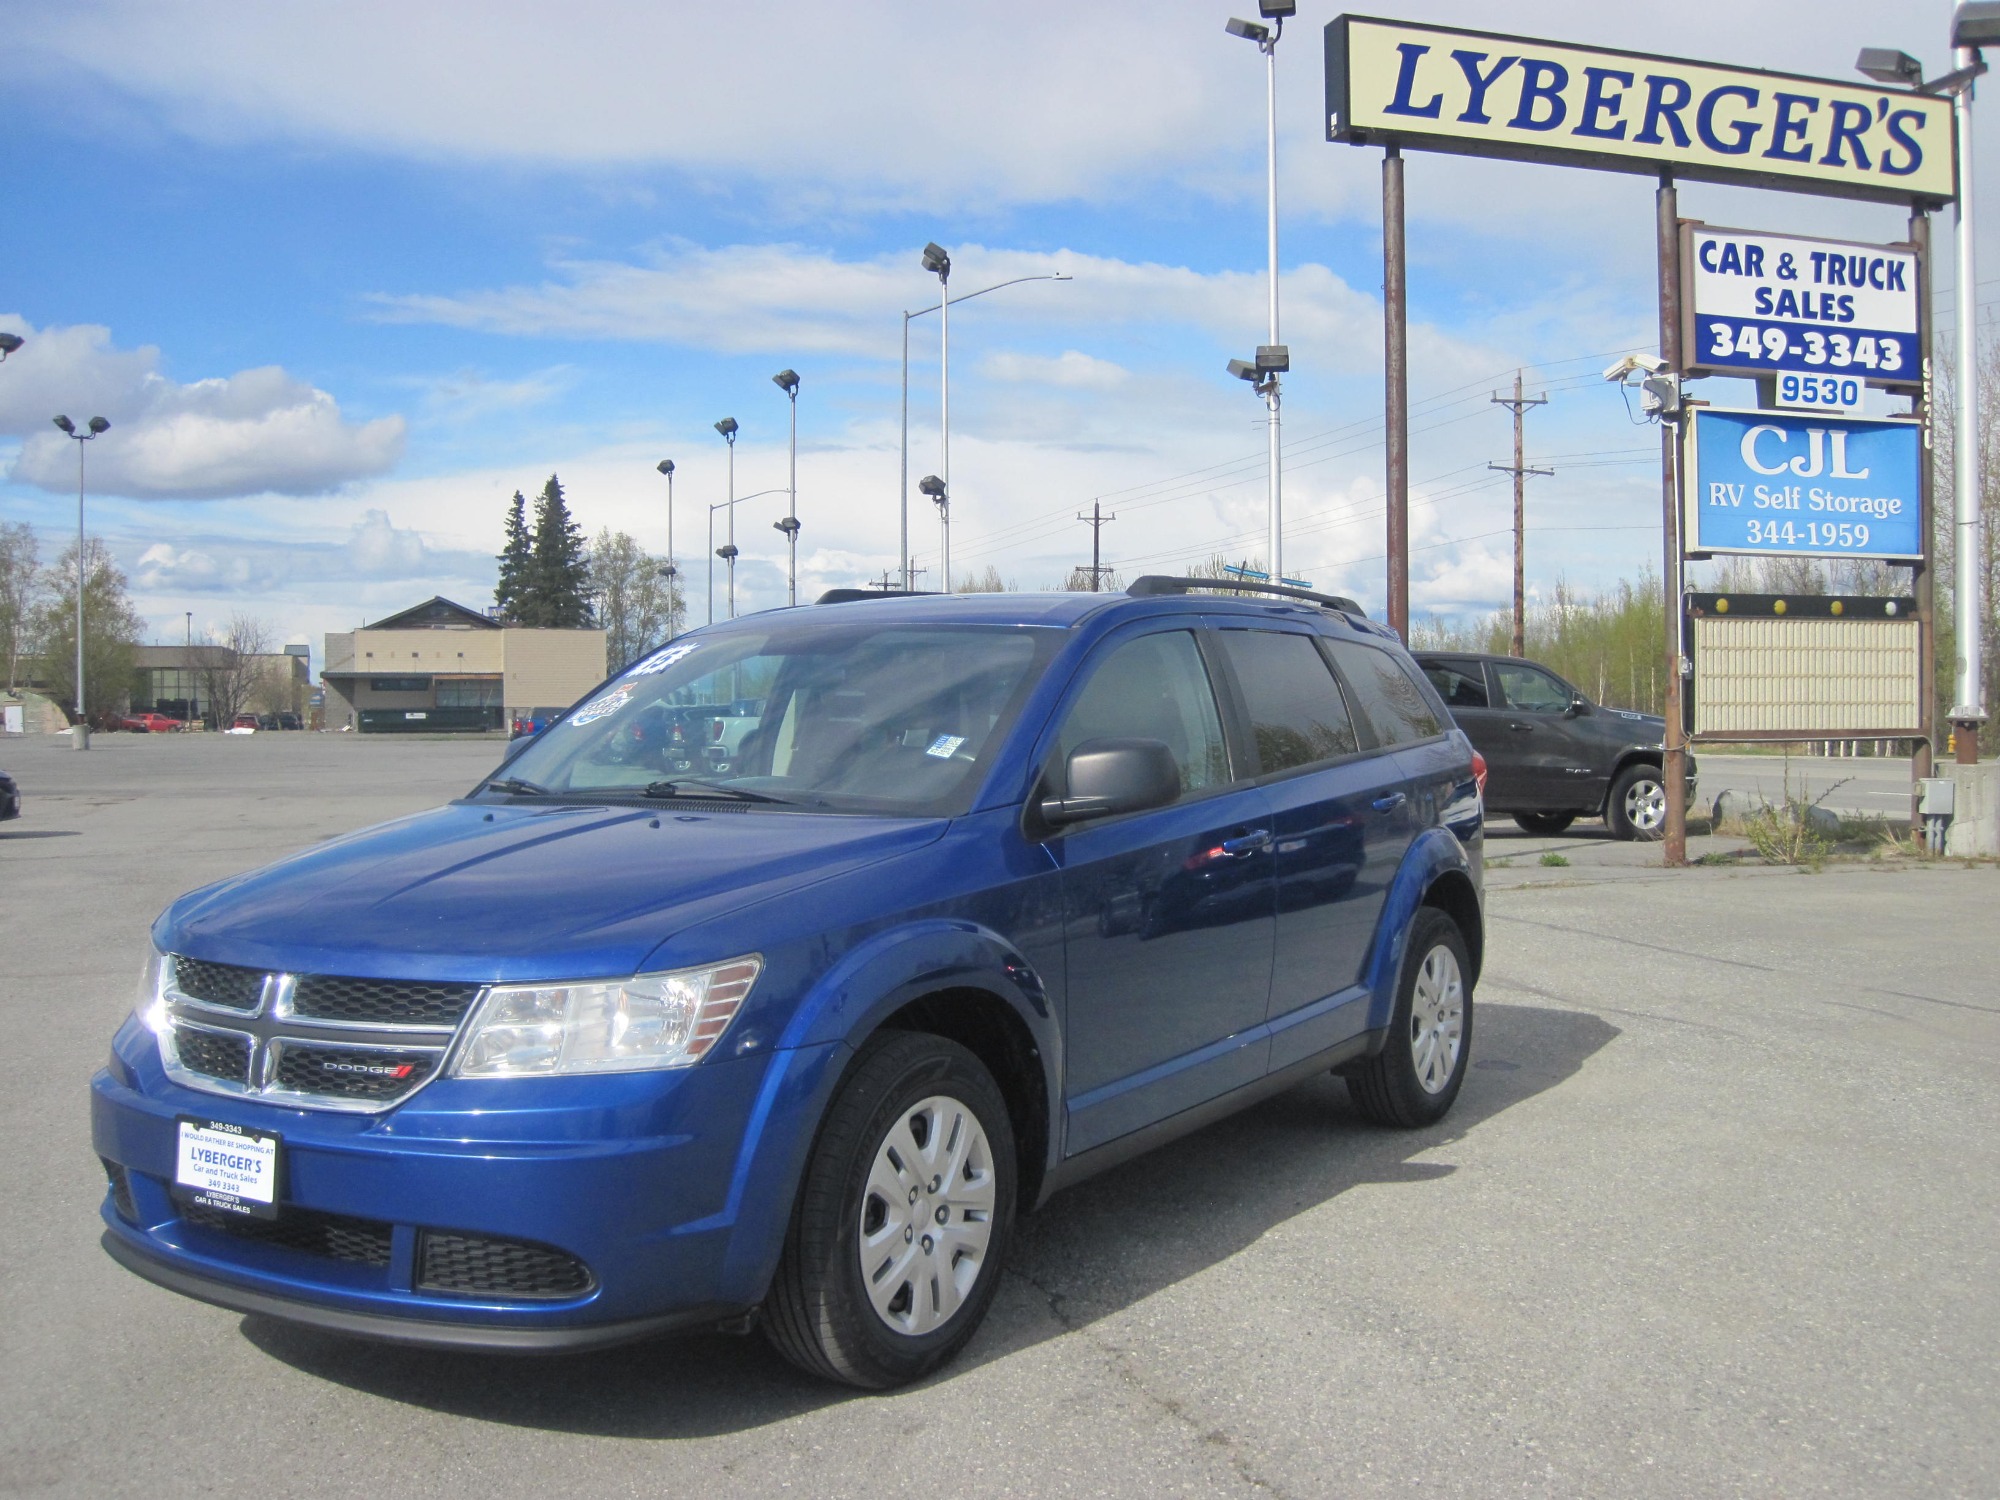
<point x="1247" y="843"/>
<point x="1391" y="802"/>
<point x="1524" y="728"/>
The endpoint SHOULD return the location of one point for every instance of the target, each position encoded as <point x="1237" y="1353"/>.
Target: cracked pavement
<point x="1716" y="1213"/>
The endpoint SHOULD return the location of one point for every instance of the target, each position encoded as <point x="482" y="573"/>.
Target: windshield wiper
<point x="708" y="788"/>
<point x="519" y="788"/>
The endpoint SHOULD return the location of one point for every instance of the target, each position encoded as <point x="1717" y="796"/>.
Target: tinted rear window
<point x="1389" y="694"/>
<point x="1297" y="712"/>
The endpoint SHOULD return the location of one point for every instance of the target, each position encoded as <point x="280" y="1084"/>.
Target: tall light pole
<point x="727" y="552"/>
<point x="1975" y="24"/>
<point x="670" y="572"/>
<point x="97" y="425"/>
<point x="934" y="487"/>
<point x="788" y="382"/>
<point x="1273" y="359"/>
<point x="909" y="578"/>
<point x="938" y="262"/>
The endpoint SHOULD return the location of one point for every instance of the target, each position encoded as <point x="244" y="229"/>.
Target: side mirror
<point x="1577" y="704"/>
<point x="1111" y="776"/>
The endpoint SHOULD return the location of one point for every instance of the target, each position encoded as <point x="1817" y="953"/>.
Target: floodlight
<point x="66" y="425"/>
<point x="1976" y="23"/>
<point x="1242" y="369"/>
<point x="665" y="466"/>
<point x="97" y="425"/>
<point x="787" y="381"/>
<point x="727" y="427"/>
<point x="1277" y="10"/>
<point x="1273" y="359"/>
<point x="1250" y="31"/>
<point x="931" y="485"/>
<point x="1887" y="65"/>
<point x="9" y="342"/>
<point x="937" y="260"/>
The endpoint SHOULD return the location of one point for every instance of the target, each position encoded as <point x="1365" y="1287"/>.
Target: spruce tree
<point x="516" y="560"/>
<point x="556" y="596"/>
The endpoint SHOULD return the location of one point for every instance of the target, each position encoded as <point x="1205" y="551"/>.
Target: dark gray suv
<point x="1553" y="756"/>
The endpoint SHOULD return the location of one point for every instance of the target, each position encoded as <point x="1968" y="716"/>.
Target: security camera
<point x="1650" y="364"/>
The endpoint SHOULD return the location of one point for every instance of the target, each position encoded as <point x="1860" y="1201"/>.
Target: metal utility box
<point x="1936" y="796"/>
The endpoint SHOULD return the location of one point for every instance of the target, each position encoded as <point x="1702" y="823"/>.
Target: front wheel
<point x="895" y="1246"/>
<point x="1637" y="806"/>
<point x="1415" y="1077"/>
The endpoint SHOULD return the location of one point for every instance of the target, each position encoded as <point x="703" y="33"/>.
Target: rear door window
<point x="1298" y="715"/>
<point x="1396" y="707"/>
<point x="1462" y="684"/>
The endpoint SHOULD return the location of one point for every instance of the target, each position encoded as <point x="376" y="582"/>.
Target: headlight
<point x="667" y="1020"/>
<point x="150" y="1006"/>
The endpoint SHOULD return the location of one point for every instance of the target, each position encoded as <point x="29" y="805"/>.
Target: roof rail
<point x="849" y="596"/>
<point x="1159" y="583"/>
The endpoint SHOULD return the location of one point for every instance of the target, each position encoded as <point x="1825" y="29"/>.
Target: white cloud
<point x="1070" y="368"/>
<point x="256" y="432"/>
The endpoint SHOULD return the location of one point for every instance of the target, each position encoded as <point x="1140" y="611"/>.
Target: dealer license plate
<point x="228" y="1167"/>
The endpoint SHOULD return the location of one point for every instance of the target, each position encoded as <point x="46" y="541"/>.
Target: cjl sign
<point x="1757" y="304"/>
<point x="1803" y="486"/>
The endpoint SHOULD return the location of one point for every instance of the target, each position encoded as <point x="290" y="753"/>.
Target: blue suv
<point x="990" y="892"/>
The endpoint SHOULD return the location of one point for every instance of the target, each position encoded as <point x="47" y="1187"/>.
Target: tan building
<point x="440" y="666"/>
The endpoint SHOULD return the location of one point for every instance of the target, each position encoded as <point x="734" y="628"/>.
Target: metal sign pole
<point x="1922" y="579"/>
<point x="1673" y="757"/>
<point x="1396" y="395"/>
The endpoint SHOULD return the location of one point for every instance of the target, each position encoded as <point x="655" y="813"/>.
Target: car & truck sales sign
<point x="1757" y="304"/>
<point x="1803" y="486"/>
<point x="1482" y="94"/>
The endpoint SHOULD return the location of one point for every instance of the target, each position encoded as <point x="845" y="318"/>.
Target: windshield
<point x="899" y="719"/>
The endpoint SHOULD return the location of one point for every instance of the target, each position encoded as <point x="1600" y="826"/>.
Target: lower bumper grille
<point x="121" y="1191"/>
<point x="336" y="1236"/>
<point x="473" y="1265"/>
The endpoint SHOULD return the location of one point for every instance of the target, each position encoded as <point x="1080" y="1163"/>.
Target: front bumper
<point x="671" y="1189"/>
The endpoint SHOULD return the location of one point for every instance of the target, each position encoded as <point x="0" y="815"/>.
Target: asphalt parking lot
<point x="1716" y="1214"/>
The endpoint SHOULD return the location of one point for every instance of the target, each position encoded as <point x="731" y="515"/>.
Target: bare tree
<point x="637" y="604"/>
<point x="227" y="670"/>
<point x="21" y="588"/>
<point x="989" y="582"/>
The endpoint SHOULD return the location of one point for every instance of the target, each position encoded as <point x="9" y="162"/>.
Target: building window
<point x="469" y="692"/>
<point x="399" y="684"/>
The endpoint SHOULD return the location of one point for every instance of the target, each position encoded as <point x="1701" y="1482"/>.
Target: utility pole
<point x="1519" y="469"/>
<point x="1095" y="521"/>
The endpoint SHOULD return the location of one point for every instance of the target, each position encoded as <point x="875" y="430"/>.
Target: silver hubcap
<point x="926" y="1216"/>
<point x="1437" y="1019"/>
<point x="1646" y="805"/>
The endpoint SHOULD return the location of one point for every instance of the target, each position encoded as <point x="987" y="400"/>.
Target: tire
<point x="910" y="1099"/>
<point x="1547" y="824"/>
<point x="1418" y="1073"/>
<point x="1637" y="806"/>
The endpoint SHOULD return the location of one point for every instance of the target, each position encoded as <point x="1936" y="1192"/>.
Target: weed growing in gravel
<point x="1555" y="861"/>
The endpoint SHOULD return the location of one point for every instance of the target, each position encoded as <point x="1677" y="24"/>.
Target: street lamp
<point x="1975" y="24"/>
<point x="933" y="486"/>
<point x="938" y="263"/>
<point x="1272" y="359"/>
<point x="97" y="425"/>
<point x="669" y="572"/>
<point x="715" y="551"/>
<point x="788" y="382"/>
<point x="909" y="579"/>
<point x="727" y="427"/>
<point x="9" y="342"/>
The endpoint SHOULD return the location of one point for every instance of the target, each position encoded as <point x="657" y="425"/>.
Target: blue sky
<point x="345" y="277"/>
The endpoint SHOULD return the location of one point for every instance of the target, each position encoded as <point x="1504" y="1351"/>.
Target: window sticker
<point x="945" y="746"/>
<point x="660" y="660"/>
<point x="598" y="708"/>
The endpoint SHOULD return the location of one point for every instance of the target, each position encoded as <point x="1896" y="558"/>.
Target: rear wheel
<point x="1547" y="824"/>
<point x="1637" y="806"/>
<point x="895" y="1246"/>
<point x="1417" y="1074"/>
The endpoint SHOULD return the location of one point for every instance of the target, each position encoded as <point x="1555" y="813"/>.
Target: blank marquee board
<point x="1797" y="668"/>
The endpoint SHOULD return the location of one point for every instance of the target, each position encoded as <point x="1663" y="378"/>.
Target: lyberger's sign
<point x="1485" y="95"/>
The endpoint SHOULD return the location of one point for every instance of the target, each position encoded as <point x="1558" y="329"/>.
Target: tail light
<point x="715" y="731"/>
<point x="1479" y="773"/>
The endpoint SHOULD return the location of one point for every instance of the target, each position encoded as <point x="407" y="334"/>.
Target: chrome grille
<point x="316" y="1041"/>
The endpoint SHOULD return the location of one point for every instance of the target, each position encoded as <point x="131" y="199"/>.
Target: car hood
<point x="477" y="892"/>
